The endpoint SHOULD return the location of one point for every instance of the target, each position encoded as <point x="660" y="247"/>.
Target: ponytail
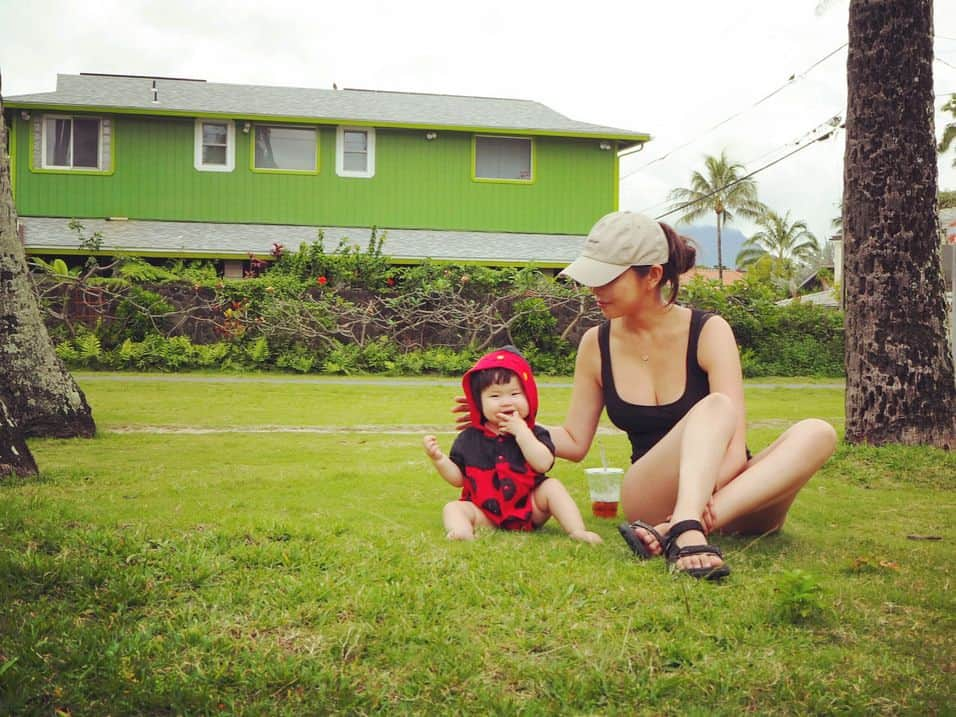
<point x="681" y="257"/>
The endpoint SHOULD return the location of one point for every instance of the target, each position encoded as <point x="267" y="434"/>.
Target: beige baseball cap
<point x="617" y="242"/>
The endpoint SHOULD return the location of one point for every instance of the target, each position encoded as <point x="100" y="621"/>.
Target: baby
<point x="500" y="460"/>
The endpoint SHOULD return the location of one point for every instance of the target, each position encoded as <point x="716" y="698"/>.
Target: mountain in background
<point x="705" y="237"/>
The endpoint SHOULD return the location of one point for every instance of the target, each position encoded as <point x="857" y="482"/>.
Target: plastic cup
<point x="604" y="485"/>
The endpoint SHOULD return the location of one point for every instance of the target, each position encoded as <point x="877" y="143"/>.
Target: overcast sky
<point x="695" y="74"/>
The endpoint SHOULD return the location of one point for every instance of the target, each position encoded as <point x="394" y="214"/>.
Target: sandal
<point x="673" y="552"/>
<point x="637" y="545"/>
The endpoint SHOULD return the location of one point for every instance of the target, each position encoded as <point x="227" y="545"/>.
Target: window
<point x="508" y="158"/>
<point x="291" y="149"/>
<point x="355" y="152"/>
<point x="215" y="145"/>
<point x="71" y="143"/>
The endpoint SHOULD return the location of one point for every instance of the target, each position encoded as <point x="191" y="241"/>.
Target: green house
<point x="183" y="168"/>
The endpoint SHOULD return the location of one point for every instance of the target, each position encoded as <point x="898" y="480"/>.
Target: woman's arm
<point x="719" y="355"/>
<point x="572" y="439"/>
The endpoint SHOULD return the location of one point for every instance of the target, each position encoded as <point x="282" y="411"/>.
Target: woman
<point x="670" y="376"/>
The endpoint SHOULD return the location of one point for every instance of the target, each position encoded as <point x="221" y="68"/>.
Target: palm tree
<point x="722" y="191"/>
<point x="787" y="244"/>
<point x="899" y="363"/>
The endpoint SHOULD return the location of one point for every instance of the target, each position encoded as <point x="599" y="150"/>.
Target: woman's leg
<point x="757" y="500"/>
<point x="552" y="498"/>
<point x="675" y="480"/>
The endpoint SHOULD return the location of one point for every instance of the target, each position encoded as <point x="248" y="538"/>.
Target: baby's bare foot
<point x="460" y="535"/>
<point x="586" y="536"/>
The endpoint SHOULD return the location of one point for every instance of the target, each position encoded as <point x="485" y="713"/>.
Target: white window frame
<point x="340" y="152"/>
<point x="230" y="164"/>
<point x="45" y="164"/>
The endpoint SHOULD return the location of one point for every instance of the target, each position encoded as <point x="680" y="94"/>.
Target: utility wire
<point x="830" y="124"/>
<point x="790" y="80"/>
<point x="746" y="176"/>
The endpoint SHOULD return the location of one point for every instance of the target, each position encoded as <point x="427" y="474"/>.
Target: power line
<point x="746" y="176"/>
<point x="790" y="80"/>
<point x="830" y="125"/>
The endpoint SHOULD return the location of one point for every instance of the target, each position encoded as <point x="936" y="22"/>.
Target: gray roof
<point x="947" y="223"/>
<point x="52" y="235"/>
<point x="119" y="93"/>
<point x="826" y="299"/>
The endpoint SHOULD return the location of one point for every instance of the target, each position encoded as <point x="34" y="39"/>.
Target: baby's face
<point x="504" y="398"/>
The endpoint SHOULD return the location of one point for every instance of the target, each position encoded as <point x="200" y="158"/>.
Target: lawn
<point x="254" y="546"/>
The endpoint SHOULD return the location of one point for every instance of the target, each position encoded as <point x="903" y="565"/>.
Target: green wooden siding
<point x="417" y="184"/>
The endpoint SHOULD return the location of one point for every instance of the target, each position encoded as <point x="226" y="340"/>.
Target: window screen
<point x="503" y="158"/>
<point x="286" y="148"/>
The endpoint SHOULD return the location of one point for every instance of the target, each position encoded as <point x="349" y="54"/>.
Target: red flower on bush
<point x="277" y="249"/>
<point x="390" y="281"/>
<point x="321" y="281"/>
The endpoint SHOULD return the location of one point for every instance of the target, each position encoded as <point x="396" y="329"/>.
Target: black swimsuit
<point x="646" y="425"/>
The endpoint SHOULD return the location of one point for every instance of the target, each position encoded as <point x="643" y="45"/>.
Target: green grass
<point x="285" y="564"/>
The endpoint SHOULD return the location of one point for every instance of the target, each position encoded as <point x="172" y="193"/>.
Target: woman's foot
<point x="688" y="552"/>
<point x="645" y="540"/>
<point x="586" y="536"/>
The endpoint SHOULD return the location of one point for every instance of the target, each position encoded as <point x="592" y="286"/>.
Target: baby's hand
<point x="511" y="423"/>
<point x="432" y="450"/>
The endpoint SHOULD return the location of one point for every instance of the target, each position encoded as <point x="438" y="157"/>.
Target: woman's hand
<point x="462" y="413"/>
<point x="708" y="518"/>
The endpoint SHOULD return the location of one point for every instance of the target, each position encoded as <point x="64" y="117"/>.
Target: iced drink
<point x="604" y="485"/>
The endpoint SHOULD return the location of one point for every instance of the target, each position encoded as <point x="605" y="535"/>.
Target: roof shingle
<point x="176" y="96"/>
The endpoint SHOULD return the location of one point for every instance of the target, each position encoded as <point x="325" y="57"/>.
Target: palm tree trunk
<point x="43" y="397"/>
<point x="899" y="367"/>
<point x="720" y="252"/>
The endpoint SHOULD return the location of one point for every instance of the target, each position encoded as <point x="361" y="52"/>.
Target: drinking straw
<point x="603" y="456"/>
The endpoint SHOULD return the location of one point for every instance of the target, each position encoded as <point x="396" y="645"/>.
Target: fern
<point x="88" y="348"/>
<point x="67" y="352"/>
<point x="258" y="352"/>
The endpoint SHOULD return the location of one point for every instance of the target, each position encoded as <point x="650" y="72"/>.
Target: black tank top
<point x="646" y="425"/>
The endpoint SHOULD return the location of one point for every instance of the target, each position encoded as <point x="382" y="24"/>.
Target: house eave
<point x="193" y="240"/>
<point x="625" y="140"/>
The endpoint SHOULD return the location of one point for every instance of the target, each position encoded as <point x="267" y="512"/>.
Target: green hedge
<point x="353" y="311"/>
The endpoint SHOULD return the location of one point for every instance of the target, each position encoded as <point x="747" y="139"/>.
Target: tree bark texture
<point x="900" y="384"/>
<point x="43" y="397"/>
<point x="15" y="456"/>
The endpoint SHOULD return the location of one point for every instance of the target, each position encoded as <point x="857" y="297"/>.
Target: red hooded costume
<point x="497" y="477"/>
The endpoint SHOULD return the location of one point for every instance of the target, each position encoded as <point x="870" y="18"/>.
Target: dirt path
<point x="345" y="380"/>
<point x="386" y="429"/>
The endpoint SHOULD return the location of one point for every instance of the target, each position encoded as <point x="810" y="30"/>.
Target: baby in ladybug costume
<point x="501" y="459"/>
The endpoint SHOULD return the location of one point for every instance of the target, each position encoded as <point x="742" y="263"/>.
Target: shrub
<point x="798" y="598"/>
<point x="350" y="311"/>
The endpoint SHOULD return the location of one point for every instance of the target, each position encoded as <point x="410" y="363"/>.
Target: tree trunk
<point x="15" y="456"/>
<point x="720" y="253"/>
<point x="43" y="397"/>
<point x="900" y="384"/>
